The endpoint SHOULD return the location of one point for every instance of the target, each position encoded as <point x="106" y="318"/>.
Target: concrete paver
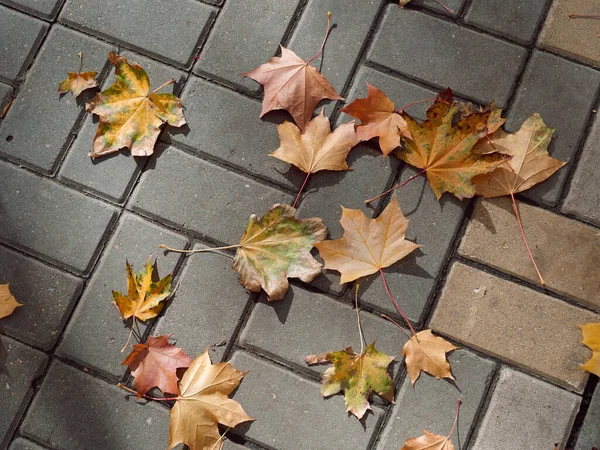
<point x="5" y="93"/>
<point x="589" y="435"/>
<point x="45" y="9"/>
<point x="24" y="444"/>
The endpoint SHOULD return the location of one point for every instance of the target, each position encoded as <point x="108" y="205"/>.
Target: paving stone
<point x="198" y="196"/>
<point x="515" y="19"/>
<point x="20" y="36"/>
<point x="225" y="125"/>
<point x="5" y="93"/>
<point x="565" y="250"/>
<point x="583" y="196"/>
<point x="45" y="9"/>
<point x="169" y="31"/>
<point x="49" y="220"/>
<point x="571" y="37"/>
<point x="120" y="168"/>
<point x="437" y="52"/>
<point x="21" y="366"/>
<point x="431" y="404"/>
<point x="306" y="323"/>
<point x="24" y="444"/>
<point x="514" y="323"/>
<point x="563" y="93"/>
<point x="454" y="5"/>
<point x="589" y="434"/>
<point x="292" y="411"/>
<point x="526" y="413"/>
<point x="96" y="333"/>
<point x="233" y="47"/>
<point x="75" y="410"/>
<point x="207" y="307"/>
<point x="40" y="143"/>
<point x="48" y="294"/>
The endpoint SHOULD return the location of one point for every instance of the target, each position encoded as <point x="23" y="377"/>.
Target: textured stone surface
<point x="431" y="403"/>
<point x="21" y="365"/>
<point x="24" y="444"/>
<point x="589" y="436"/>
<point x="454" y="5"/>
<point x="207" y="306"/>
<point x="563" y="93"/>
<point x="76" y="410"/>
<point x="48" y="294"/>
<point x="234" y="47"/>
<point x="96" y="332"/>
<point x="566" y="251"/>
<point x="515" y="324"/>
<point x="5" y="93"/>
<point x="50" y="220"/>
<point x="293" y="414"/>
<point x="45" y="9"/>
<point x="526" y="413"/>
<point x="437" y="52"/>
<point x="41" y="143"/>
<point x="172" y="32"/>
<point x="198" y="196"/>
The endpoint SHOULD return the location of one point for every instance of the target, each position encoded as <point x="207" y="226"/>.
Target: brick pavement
<point x="68" y="223"/>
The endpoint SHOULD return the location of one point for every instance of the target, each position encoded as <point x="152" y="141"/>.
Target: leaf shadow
<point x="3" y="357"/>
<point x="280" y="307"/>
<point x="483" y="216"/>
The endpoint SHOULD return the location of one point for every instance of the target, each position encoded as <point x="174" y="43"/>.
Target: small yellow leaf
<point x="8" y="303"/>
<point x="428" y="441"/>
<point x="427" y="352"/>
<point x="591" y="339"/>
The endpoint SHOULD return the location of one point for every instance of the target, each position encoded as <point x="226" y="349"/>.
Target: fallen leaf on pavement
<point x="79" y="81"/>
<point x="428" y="441"/>
<point x="8" y="303"/>
<point x="494" y="122"/>
<point x="591" y="339"/>
<point x="427" y="352"/>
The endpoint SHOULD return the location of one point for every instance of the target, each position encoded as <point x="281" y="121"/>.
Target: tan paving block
<point x="576" y="38"/>
<point x="567" y="252"/>
<point x="515" y="324"/>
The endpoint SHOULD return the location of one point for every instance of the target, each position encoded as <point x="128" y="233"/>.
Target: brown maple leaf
<point x="155" y="363"/>
<point x="494" y="122"/>
<point x="77" y="82"/>
<point x="429" y="441"/>
<point x="8" y="303"/>
<point x="378" y="118"/>
<point x="427" y="352"/>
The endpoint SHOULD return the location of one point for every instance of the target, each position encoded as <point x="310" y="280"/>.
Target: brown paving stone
<point x="566" y="251"/>
<point x="576" y="38"/>
<point x="515" y="324"/>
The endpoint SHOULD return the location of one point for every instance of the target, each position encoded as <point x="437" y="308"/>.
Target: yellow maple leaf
<point x="77" y="82"/>
<point x="427" y="352"/>
<point x="429" y="441"/>
<point x="8" y="303"/>
<point x="591" y="339"/>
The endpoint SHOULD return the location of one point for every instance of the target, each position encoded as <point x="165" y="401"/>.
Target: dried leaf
<point x="368" y="244"/>
<point x="76" y="83"/>
<point x="277" y="247"/>
<point x="494" y="122"/>
<point x="378" y="118"/>
<point x="8" y="303"/>
<point x="429" y="441"/>
<point x="403" y="2"/>
<point x="591" y="339"/>
<point x="144" y="296"/>
<point x="130" y="115"/>
<point x="204" y="403"/>
<point x="155" y="363"/>
<point x="291" y="84"/>
<point x="357" y="375"/>
<point x="427" y="352"/>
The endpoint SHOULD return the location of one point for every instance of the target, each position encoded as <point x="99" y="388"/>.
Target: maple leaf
<point x="155" y="363"/>
<point x="79" y="81"/>
<point x="591" y="339"/>
<point x="277" y="247"/>
<point x="357" y="375"/>
<point x="8" y="303"/>
<point x="427" y="352"/>
<point x="378" y="118"/>
<point x="368" y="245"/>
<point x="144" y="296"/>
<point x="204" y="403"/>
<point x="317" y="148"/>
<point x="130" y="115"/>
<point x="429" y="441"/>
<point x="494" y="122"/>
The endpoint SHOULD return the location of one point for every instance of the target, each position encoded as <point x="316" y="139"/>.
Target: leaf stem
<point x="158" y="399"/>
<point x="171" y="81"/>
<point x="396" y="187"/>
<point x="80" y="54"/>
<point x="584" y="16"/>
<point x="362" y="337"/>
<point x="444" y="6"/>
<point x="516" y="209"/>
<point x="387" y="290"/>
<point x="324" y="40"/>
<point x="455" y="418"/>
<point x="301" y="189"/>
<point x="490" y="142"/>
<point x="128" y="340"/>
<point x="397" y="324"/>
<point x="201" y="250"/>
<point x="398" y="111"/>
<point x="220" y="438"/>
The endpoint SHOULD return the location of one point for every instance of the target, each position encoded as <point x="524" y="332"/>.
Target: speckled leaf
<point x="591" y="339"/>
<point x="357" y="375"/>
<point x="494" y="122"/>
<point x="8" y="303"/>
<point x="130" y="115"/>
<point x="77" y="82"/>
<point x="277" y="247"/>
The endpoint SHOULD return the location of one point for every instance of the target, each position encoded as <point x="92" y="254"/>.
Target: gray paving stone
<point x="207" y="306"/>
<point x="51" y="221"/>
<point x="445" y="55"/>
<point x="17" y="373"/>
<point x="75" y="410"/>
<point x="293" y="415"/>
<point x="563" y="93"/>
<point x="40" y="143"/>
<point x="169" y="31"/>
<point x="5" y="93"/>
<point x="515" y="19"/>
<point x="589" y="435"/>
<point x="113" y="176"/>
<point x="96" y="333"/>
<point x="233" y="47"/>
<point x="48" y="294"/>
<point x="526" y="413"/>
<point x="431" y="404"/>
<point x="20" y="36"/>
<point x="226" y="125"/>
<point x="199" y="196"/>
<point x="454" y="5"/>
<point x="24" y="444"/>
<point x="306" y="323"/>
<point x="45" y="9"/>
